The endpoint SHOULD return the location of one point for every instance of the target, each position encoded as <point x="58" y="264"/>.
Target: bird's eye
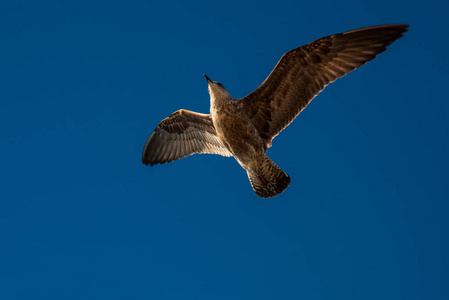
<point x="220" y="85"/>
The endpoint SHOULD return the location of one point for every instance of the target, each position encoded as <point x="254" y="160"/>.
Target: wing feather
<point x="304" y="72"/>
<point x="181" y="134"/>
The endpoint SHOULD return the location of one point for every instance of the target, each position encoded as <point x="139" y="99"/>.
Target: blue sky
<point x="82" y="86"/>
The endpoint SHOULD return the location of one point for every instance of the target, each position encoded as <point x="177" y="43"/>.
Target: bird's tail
<point x="267" y="179"/>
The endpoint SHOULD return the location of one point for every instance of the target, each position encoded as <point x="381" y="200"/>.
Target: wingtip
<point x="397" y="27"/>
<point x="146" y="153"/>
<point x="144" y="156"/>
<point x="146" y="163"/>
<point x="404" y="27"/>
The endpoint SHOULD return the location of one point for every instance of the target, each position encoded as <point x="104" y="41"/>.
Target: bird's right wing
<point x="181" y="134"/>
<point x="304" y="72"/>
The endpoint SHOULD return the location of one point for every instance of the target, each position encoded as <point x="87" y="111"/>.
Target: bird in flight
<point x="244" y="128"/>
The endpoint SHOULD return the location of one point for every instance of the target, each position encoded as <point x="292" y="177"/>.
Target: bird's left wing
<point x="304" y="72"/>
<point x="181" y="134"/>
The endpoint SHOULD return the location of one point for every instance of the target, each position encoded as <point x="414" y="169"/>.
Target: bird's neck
<point x="220" y="101"/>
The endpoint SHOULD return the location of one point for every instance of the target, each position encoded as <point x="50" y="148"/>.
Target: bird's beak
<point x="208" y="79"/>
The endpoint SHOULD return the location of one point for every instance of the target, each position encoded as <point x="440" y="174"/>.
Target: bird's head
<point x="216" y="89"/>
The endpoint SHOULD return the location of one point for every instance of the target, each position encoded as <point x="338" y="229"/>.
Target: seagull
<point x="244" y="128"/>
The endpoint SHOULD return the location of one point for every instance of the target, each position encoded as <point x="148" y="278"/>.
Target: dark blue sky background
<point x="84" y="83"/>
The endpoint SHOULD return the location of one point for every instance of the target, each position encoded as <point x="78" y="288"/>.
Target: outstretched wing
<point x="304" y="72"/>
<point x="181" y="134"/>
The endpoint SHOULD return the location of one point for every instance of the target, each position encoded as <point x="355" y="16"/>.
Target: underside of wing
<point x="181" y="134"/>
<point x="303" y="72"/>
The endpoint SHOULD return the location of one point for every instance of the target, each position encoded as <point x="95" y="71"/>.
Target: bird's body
<point x="233" y="128"/>
<point x="244" y="128"/>
<point x="240" y="136"/>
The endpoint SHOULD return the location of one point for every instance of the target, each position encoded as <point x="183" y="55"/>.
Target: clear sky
<point x="84" y="83"/>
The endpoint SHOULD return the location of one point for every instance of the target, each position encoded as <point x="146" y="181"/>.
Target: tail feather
<point x="267" y="179"/>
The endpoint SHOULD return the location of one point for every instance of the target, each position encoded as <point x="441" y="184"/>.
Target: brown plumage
<point x="181" y="134"/>
<point x="244" y="128"/>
